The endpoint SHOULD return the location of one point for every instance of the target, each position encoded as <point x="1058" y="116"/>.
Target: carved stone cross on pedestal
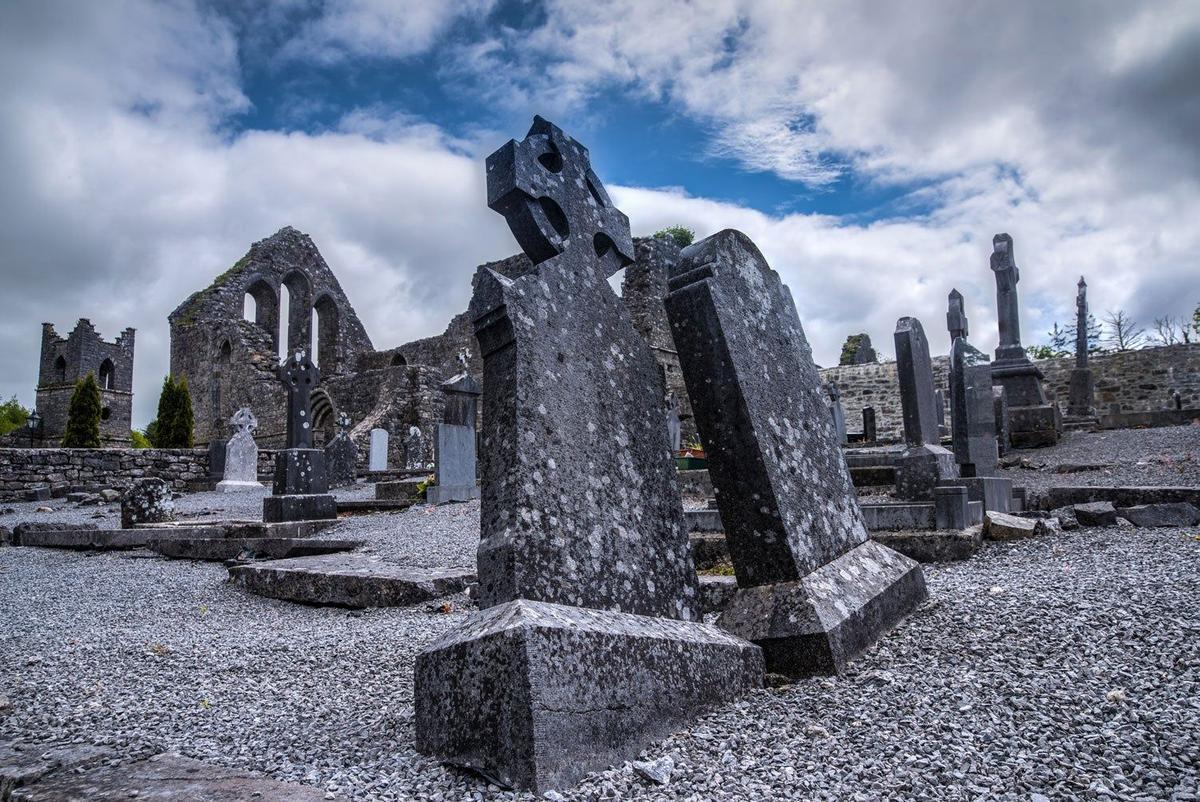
<point x="300" y="376"/>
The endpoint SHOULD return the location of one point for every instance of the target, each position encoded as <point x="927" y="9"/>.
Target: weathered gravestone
<point x="414" y="449"/>
<point x="924" y="463"/>
<point x="378" y="458"/>
<point x="870" y="425"/>
<point x="813" y="589"/>
<point x="341" y="455"/>
<point x="1000" y="414"/>
<point x="674" y="424"/>
<point x="147" y="501"/>
<point x="972" y="408"/>
<point x="939" y="409"/>
<point x="301" y="487"/>
<point x="588" y="645"/>
<point x="837" y="412"/>
<point x="1032" y="420"/>
<point x="1080" y="394"/>
<point x="241" y="455"/>
<point x="454" y="450"/>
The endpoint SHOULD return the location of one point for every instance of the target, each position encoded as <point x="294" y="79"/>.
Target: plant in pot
<point x="691" y="456"/>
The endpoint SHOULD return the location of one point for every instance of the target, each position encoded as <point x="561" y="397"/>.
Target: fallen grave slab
<point x="349" y="580"/>
<point x="1176" y="514"/>
<point x="164" y="778"/>
<point x="938" y="546"/>
<point x="375" y="505"/>
<point x="22" y="764"/>
<point x="144" y="536"/>
<point x="1002" y="526"/>
<point x="249" y="548"/>
<point x="1127" y="496"/>
<point x="1095" y="513"/>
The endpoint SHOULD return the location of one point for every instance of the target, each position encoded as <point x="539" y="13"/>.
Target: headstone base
<point x="304" y="507"/>
<point x="1021" y="380"/>
<point x="443" y="495"/>
<point x="1080" y="394"/>
<point x="921" y="468"/>
<point x="230" y="486"/>
<point x="951" y="507"/>
<point x="535" y="695"/>
<point x="817" y="624"/>
<point x="1034" y="427"/>
<point x="995" y="493"/>
<point x="300" y="471"/>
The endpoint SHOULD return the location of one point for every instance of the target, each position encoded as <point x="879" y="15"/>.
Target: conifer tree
<point x="83" y="415"/>
<point x="184" y="424"/>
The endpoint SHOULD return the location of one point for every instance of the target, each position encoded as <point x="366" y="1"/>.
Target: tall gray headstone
<point x="924" y="462"/>
<point x="454" y="452"/>
<point x="1033" y="421"/>
<point x="414" y="449"/>
<point x="939" y="408"/>
<point x="301" y="488"/>
<point x="972" y="406"/>
<point x="837" y="412"/>
<point x="241" y="455"/>
<point x="341" y="455"/>
<point x="870" y="425"/>
<point x="588" y="644"/>
<point x="674" y="424"/>
<point x="378" y="458"/>
<point x="813" y="589"/>
<point x="1080" y="392"/>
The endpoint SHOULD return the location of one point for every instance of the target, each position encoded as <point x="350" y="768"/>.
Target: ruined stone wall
<point x="391" y="398"/>
<point x="1139" y="381"/>
<point x="22" y="469"/>
<point x="64" y="361"/>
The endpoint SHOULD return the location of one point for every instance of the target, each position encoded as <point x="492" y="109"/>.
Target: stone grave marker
<point x="924" y="463"/>
<point x="588" y="643"/>
<point x="414" y="449"/>
<point x="241" y="455"/>
<point x="837" y="412"/>
<point x="454" y="451"/>
<point x="813" y="589"/>
<point x="301" y="487"/>
<point x="1080" y="393"/>
<point x="378" y="457"/>
<point x="341" y="455"/>
<point x="674" y="424"/>
<point x="147" y="501"/>
<point x="870" y="425"/>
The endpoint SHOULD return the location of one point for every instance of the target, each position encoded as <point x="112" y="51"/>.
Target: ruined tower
<point x="66" y="361"/>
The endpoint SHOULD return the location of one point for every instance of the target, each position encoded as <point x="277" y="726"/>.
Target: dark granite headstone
<point x="341" y="455"/>
<point x="813" y="588"/>
<point x="870" y="425"/>
<point x="454" y="450"/>
<point x="837" y="412"/>
<point x="924" y="463"/>
<point x="972" y="407"/>
<point x="1080" y="393"/>
<point x="588" y="645"/>
<point x="301" y="486"/>
<point x="1000" y="410"/>
<point x="939" y="407"/>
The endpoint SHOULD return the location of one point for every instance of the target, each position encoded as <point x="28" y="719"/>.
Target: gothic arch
<point x="299" y="322"/>
<point x="327" y="313"/>
<point x="106" y="375"/>
<point x="266" y="308"/>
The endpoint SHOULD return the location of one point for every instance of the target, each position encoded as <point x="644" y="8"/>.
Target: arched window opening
<point x="263" y="303"/>
<point x="285" y="311"/>
<point x="60" y="369"/>
<point x="106" y="374"/>
<point x="398" y="360"/>
<point x="314" y="327"/>
<point x="224" y="352"/>
<point x="298" y="314"/>
<point x="325" y="334"/>
<point x="249" y="309"/>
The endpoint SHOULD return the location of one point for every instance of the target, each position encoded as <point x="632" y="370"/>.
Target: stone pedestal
<point x="995" y="493"/>
<point x="1080" y="394"/>
<point x="536" y="695"/>
<point x="921" y="468"/>
<point x="1033" y="422"/>
<point x="300" y="488"/>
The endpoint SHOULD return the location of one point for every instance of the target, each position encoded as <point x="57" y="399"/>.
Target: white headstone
<point x="241" y="455"/>
<point x="379" y="450"/>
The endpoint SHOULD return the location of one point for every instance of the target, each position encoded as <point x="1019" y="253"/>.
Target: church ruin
<point x="65" y="361"/>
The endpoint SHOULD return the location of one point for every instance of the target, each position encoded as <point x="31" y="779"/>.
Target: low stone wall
<point x="22" y="469"/>
<point x="1136" y="381"/>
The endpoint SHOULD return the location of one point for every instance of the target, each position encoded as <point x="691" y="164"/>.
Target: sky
<point x="870" y="149"/>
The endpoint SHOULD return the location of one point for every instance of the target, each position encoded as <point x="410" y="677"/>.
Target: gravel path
<point x="1166" y="456"/>
<point x="1067" y="666"/>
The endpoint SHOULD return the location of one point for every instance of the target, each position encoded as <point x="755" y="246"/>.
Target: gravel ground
<point x="1166" y="456"/>
<point x="1067" y="666"/>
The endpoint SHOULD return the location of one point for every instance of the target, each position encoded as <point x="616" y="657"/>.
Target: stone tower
<point x="66" y="361"/>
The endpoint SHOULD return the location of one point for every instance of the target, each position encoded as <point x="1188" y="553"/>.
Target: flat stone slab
<point x="249" y="548"/>
<point x="164" y="778"/>
<point x="1179" y="513"/>
<point x="375" y="505"/>
<point x="23" y="764"/>
<point x="398" y="490"/>
<point x="1127" y="496"/>
<point x="703" y="520"/>
<point x="145" y="536"/>
<point x="349" y="580"/>
<point x="880" y="517"/>
<point x="1001" y="526"/>
<point x="938" y="546"/>
<point x="1095" y="513"/>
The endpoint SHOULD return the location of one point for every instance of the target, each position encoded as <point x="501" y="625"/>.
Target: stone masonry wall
<point x="23" y="468"/>
<point x="1139" y="381"/>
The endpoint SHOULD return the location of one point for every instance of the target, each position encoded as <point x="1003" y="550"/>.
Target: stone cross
<point x="301" y="377"/>
<point x="241" y="454"/>
<point x="1008" y="316"/>
<point x="1081" y="323"/>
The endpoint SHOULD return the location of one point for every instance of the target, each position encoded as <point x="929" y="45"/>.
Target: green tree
<point x="159" y="430"/>
<point x="175" y="425"/>
<point x="682" y="235"/>
<point x="83" y="415"/>
<point x="185" y="420"/>
<point x="139" y="439"/>
<point x="12" y="416"/>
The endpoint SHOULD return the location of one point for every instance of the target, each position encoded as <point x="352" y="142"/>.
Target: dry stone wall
<point x="22" y="469"/>
<point x="1137" y="381"/>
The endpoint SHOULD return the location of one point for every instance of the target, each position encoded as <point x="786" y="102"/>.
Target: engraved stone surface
<point x="341" y="455"/>
<point x="586" y="646"/>
<point x="787" y="503"/>
<point x="414" y="449"/>
<point x="301" y="486"/>
<point x="348" y="580"/>
<point x="241" y="455"/>
<point x="924" y="463"/>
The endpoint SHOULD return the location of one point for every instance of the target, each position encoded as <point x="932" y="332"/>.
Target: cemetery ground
<point x="1064" y="666"/>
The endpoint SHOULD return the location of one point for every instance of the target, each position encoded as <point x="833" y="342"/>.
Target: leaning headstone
<point x="1033" y="420"/>
<point x="301" y="487"/>
<point x="588" y="643"/>
<point x="1080" y="396"/>
<point x="870" y="426"/>
<point x="837" y="412"/>
<point x="147" y="501"/>
<point x="813" y="589"/>
<point x="454" y="452"/>
<point x="924" y="462"/>
<point x="414" y="449"/>
<point x="378" y="460"/>
<point x="972" y="405"/>
<point x="341" y="455"/>
<point x="241" y="455"/>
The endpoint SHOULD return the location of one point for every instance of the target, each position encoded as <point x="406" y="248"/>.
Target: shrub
<point x="12" y="416"/>
<point x="683" y="236"/>
<point x="139" y="439"/>
<point x="83" y="415"/>
<point x="175" y="425"/>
